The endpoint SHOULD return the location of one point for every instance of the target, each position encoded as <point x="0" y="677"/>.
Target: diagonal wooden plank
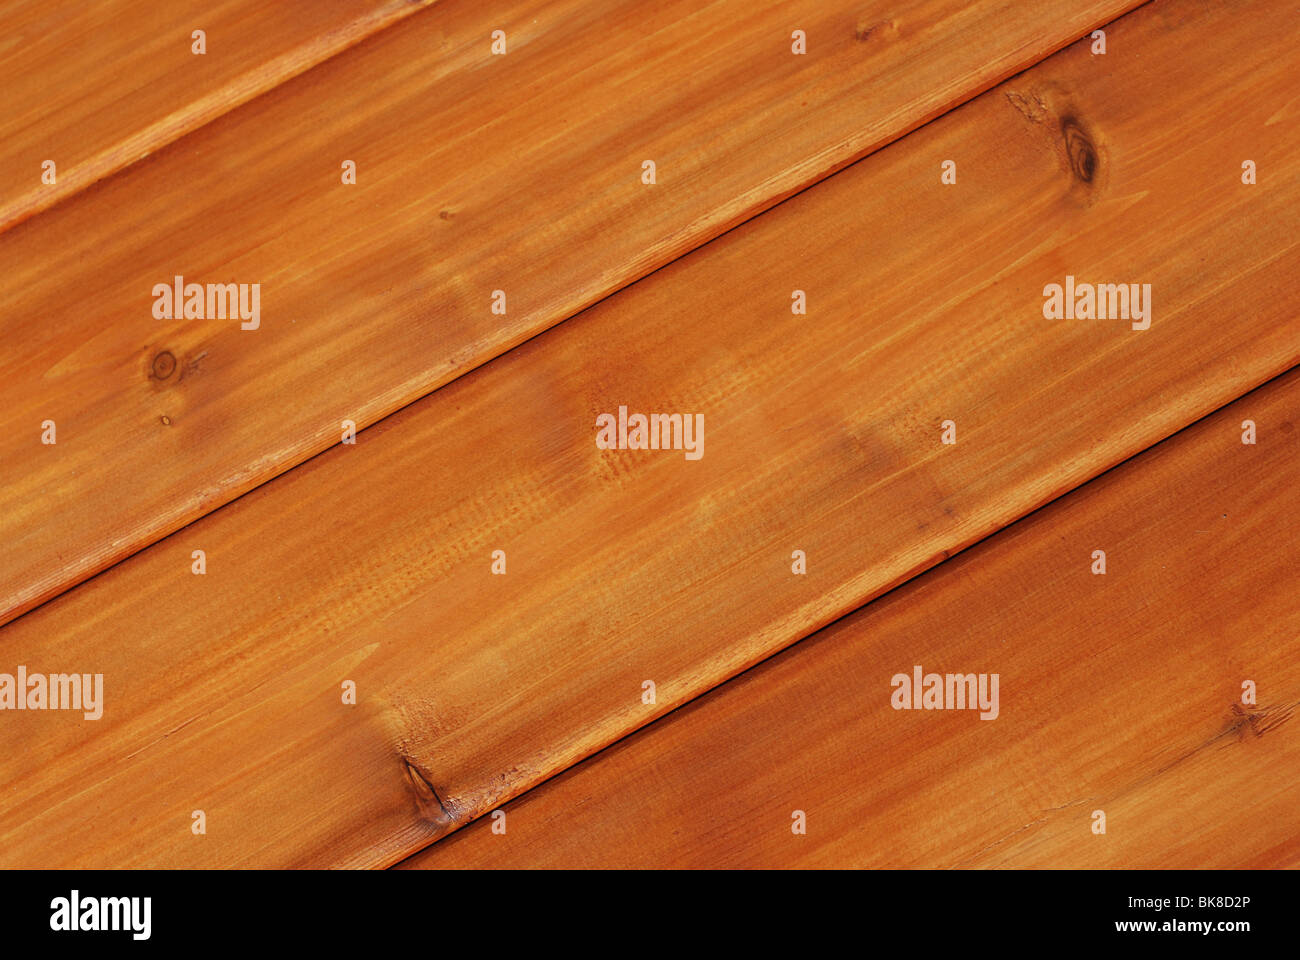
<point x="95" y="87"/>
<point x="372" y="563"/>
<point x="475" y="173"/>
<point x="1119" y="692"/>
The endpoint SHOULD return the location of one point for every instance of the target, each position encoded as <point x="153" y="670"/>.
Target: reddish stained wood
<point x="475" y="173"/>
<point x="371" y="563"/>
<point x="95" y="87"/>
<point x="1120" y="693"/>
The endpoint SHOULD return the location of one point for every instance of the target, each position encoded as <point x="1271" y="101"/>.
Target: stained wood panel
<point x="372" y="563"/>
<point x="1119" y="692"/>
<point x="95" y="87"/>
<point x="474" y="173"/>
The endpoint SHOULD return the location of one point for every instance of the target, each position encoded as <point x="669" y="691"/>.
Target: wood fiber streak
<point x="475" y="173"/>
<point x="1119" y="692"/>
<point x="97" y="86"/>
<point x="371" y="562"/>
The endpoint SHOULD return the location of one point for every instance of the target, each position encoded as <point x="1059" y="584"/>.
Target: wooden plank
<point x="1120" y="693"/>
<point x="95" y="87"/>
<point x="372" y="563"/>
<point x="475" y="173"/>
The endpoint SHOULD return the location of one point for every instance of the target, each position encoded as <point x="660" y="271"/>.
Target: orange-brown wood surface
<point x="474" y="173"/>
<point x="1119" y="692"/>
<point x="372" y="562"/>
<point x="94" y="87"/>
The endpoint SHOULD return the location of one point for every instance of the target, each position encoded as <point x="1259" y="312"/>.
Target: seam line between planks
<point x="791" y="647"/>
<point x="745" y="217"/>
<point x="238" y="92"/>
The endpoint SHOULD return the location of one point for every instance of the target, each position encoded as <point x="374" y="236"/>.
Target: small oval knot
<point x="1083" y="155"/>
<point x="164" y="365"/>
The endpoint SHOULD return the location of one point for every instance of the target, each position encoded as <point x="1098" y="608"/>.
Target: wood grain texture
<point x="97" y="86"/>
<point x="1119" y="692"/>
<point x="372" y="563"/>
<point x="475" y="173"/>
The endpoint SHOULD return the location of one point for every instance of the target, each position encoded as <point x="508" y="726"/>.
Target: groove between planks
<point x="1120" y="693"/>
<point x="475" y="173"/>
<point x="95" y="87"/>
<point x="372" y="563"/>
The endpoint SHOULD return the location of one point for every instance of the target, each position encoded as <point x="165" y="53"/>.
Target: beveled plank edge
<point x="792" y="182"/>
<point x="793" y="647"/>
<point x="241" y="90"/>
